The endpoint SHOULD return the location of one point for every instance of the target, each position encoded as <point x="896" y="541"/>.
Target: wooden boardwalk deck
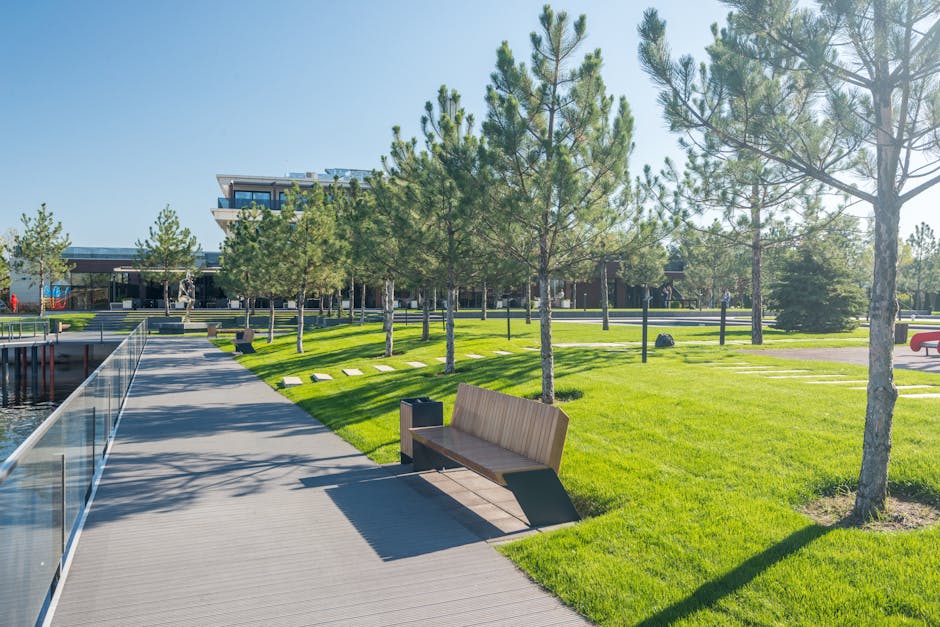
<point x="224" y="504"/>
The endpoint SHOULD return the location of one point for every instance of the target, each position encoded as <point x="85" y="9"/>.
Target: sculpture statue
<point x="187" y="294"/>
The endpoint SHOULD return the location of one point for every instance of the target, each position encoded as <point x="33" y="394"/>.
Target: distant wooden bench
<point x="511" y="441"/>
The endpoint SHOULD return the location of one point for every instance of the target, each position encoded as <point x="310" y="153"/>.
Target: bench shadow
<point x="392" y="516"/>
<point x="713" y="591"/>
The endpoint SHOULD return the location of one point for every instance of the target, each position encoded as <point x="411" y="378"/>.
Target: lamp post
<point x="646" y="311"/>
<point x="584" y="301"/>
<point x="508" y="330"/>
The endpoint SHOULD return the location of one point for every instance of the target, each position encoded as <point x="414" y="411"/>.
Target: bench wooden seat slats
<point x="482" y="457"/>
<point x="512" y="441"/>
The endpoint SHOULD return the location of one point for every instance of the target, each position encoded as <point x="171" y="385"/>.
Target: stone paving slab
<point x="321" y="376"/>
<point x="474" y="356"/>
<point x="502" y="352"/>
<point x="384" y="368"/>
<point x="838" y="382"/>
<point x="904" y="357"/>
<point x="224" y="503"/>
<point x="352" y="372"/>
<point x="803" y="376"/>
<point x="416" y="364"/>
<point x="290" y="382"/>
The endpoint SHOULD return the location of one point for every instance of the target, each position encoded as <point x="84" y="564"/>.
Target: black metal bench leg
<point x="425" y="458"/>
<point x="542" y="497"/>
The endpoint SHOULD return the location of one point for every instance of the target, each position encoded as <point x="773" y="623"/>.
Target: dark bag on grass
<point x="664" y="340"/>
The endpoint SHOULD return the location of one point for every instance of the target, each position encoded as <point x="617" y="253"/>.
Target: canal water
<point x="27" y="401"/>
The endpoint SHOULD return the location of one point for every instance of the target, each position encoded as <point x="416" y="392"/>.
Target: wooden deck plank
<point x="223" y="503"/>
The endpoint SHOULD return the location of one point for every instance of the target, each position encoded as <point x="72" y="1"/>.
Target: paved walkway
<point x="223" y="503"/>
<point x="904" y="357"/>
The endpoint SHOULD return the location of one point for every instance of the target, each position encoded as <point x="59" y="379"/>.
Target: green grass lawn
<point x="76" y="321"/>
<point x="690" y="477"/>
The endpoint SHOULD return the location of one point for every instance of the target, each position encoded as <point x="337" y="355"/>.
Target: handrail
<point x="36" y="325"/>
<point x="11" y="462"/>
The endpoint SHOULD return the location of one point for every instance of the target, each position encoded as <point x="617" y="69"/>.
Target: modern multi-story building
<point x="240" y="191"/>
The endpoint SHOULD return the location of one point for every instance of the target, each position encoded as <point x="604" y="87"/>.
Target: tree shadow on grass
<point x="714" y="591"/>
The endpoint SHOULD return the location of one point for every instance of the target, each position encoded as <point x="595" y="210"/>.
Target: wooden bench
<point x="927" y="346"/>
<point x="512" y="441"/>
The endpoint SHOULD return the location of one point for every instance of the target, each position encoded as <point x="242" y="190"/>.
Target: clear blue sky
<point x="111" y="109"/>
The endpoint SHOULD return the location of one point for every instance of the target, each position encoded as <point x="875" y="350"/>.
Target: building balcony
<point x="241" y="203"/>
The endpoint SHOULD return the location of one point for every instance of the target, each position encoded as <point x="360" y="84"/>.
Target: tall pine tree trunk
<point x="528" y="302"/>
<point x="882" y="393"/>
<point x="757" y="288"/>
<point x="248" y="312"/>
<point x="574" y="296"/>
<point x="270" y="318"/>
<point x="301" y="301"/>
<point x="352" y="299"/>
<point x="449" y="325"/>
<point x="385" y="320"/>
<point x="426" y="317"/>
<point x="362" y="306"/>
<point x="390" y="317"/>
<point x="42" y="301"/>
<point x="548" y="355"/>
<point x="605" y="304"/>
<point x="166" y="297"/>
<point x="483" y="311"/>
<point x="329" y="302"/>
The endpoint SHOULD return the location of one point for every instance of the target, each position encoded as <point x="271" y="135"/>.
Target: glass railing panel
<point x="31" y="531"/>
<point x="45" y="483"/>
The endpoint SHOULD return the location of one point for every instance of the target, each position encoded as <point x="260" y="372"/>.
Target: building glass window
<point x="242" y="199"/>
<point x="245" y="198"/>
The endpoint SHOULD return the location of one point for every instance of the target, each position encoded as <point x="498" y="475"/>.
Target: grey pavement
<point x="904" y="357"/>
<point x="225" y="504"/>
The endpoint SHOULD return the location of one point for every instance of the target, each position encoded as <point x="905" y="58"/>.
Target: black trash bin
<point x="417" y="412"/>
<point x="900" y="333"/>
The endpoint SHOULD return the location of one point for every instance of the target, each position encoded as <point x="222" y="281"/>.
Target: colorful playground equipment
<point x="925" y="340"/>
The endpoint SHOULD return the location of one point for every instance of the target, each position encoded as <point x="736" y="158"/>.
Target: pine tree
<point x="39" y="250"/>
<point x="558" y="148"/>
<point x="815" y="294"/>
<point x="924" y="257"/>
<point x="846" y="94"/>
<point x="167" y="253"/>
<point x="241" y="257"/>
<point x="311" y="221"/>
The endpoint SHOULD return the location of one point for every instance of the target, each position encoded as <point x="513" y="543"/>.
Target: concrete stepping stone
<point x="474" y="356"/>
<point x="529" y="348"/>
<point x="321" y="376"/>
<point x="443" y="360"/>
<point x="352" y="372"/>
<point x="769" y="371"/>
<point x="502" y="352"/>
<point x="750" y="367"/>
<point x="804" y="376"/>
<point x="384" y="368"/>
<point x="290" y="382"/>
<point x="840" y="382"/>
<point x="919" y="395"/>
<point x="416" y="364"/>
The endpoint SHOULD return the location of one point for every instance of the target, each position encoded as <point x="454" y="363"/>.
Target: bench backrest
<point x="530" y="428"/>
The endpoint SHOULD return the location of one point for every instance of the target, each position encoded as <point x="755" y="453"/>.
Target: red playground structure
<point x="926" y="341"/>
